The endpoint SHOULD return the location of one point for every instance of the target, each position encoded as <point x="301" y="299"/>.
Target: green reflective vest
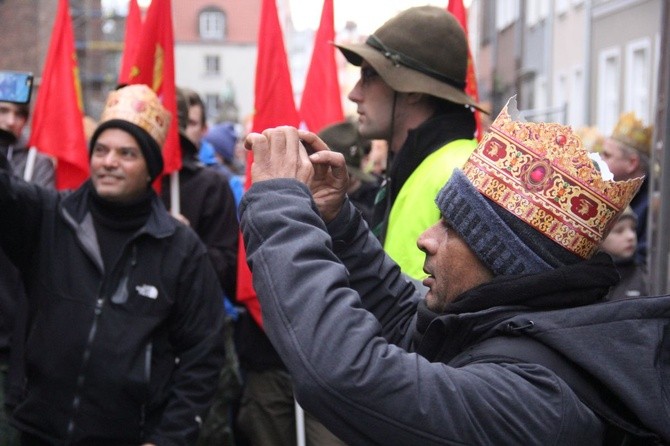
<point x="414" y="209"/>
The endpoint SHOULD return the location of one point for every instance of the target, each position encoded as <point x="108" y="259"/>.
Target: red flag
<point x="321" y="99"/>
<point x="458" y="10"/>
<point x="273" y="102"/>
<point x="154" y="66"/>
<point x="58" y="128"/>
<point x="274" y="106"/>
<point x="131" y="40"/>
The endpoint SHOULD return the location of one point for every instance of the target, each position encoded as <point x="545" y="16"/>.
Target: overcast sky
<point x="368" y="14"/>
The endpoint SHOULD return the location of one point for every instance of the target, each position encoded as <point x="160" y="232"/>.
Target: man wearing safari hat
<point x="123" y="344"/>
<point x="627" y="152"/>
<point x="513" y="342"/>
<point x="411" y="94"/>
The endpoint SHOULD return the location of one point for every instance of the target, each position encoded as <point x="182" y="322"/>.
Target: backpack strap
<point x="619" y="419"/>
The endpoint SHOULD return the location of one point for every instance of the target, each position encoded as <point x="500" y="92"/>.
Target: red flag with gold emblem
<point x="321" y="103"/>
<point x="131" y="40"/>
<point x="57" y="125"/>
<point x="457" y="8"/>
<point x="154" y="66"/>
<point x="273" y="106"/>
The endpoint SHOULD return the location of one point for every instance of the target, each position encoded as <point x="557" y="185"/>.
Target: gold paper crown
<point x="630" y="131"/>
<point x="541" y="173"/>
<point x="138" y="104"/>
<point x="591" y="138"/>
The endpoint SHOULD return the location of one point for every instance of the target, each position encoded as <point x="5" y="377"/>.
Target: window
<point x="507" y="12"/>
<point x="212" y="104"/>
<point x="577" y="101"/>
<point x="540" y="94"/>
<point x="212" y="65"/>
<point x="561" y="6"/>
<point x="212" y="24"/>
<point x="560" y="90"/>
<point x="609" y="74"/>
<point x="536" y="11"/>
<point x="638" y="78"/>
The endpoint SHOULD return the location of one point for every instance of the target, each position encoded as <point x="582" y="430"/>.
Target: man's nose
<point x="11" y="118"/>
<point x="355" y="93"/>
<point x="110" y="159"/>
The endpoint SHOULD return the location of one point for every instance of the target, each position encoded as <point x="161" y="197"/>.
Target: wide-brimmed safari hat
<point x="421" y="50"/>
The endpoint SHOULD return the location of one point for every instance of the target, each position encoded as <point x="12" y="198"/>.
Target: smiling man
<point x="516" y="299"/>
<point x="125" y="315"/>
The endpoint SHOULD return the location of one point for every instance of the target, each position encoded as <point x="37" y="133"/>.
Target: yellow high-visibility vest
<point x="414" y="209"/>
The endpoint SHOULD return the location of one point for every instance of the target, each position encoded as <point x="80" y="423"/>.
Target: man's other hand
<point x="281" y="153"/>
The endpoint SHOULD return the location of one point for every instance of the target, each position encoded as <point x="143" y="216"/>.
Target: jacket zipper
<point x="100" y="302"/>
<point x="76" y="401"/>
<point x="147" y="377"/>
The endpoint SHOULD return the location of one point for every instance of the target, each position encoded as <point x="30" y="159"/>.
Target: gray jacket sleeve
<point x="44" y="173"/>
<point x="336" y="308"/>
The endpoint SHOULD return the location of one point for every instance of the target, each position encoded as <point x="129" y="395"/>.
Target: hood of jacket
<point x="624" y="345"/>
<point x="473" y="315"/>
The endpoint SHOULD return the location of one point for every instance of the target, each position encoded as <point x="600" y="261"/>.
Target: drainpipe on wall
<point x="658" y="236"/>
<point x="588" y="95"/>
<point x="549" y="59"/>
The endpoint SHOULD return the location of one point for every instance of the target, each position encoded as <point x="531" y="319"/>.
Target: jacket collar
<point x="75" y="207"/>
<point x="426" y="139"/>
<point x="189" y="154"/>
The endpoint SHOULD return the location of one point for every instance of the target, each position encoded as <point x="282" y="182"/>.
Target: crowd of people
<point x="417" y="286"/>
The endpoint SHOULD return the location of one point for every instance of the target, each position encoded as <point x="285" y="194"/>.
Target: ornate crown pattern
<point x="139" y="105"/>
<point x="630" y="131"/>
<point x="541" y="173"/>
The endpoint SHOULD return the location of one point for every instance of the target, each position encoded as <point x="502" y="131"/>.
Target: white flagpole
<point x="175" y="205"/>
<point x="30" y="164"/>
<point x="299" y="424"/>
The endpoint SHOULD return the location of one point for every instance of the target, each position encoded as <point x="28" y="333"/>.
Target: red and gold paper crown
<point x="541" y="173"/>
<point x="139" y="105"/>
<point x="591" y="138"/>
<point x="630" y="131"/>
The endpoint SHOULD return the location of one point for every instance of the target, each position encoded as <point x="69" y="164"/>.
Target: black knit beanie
<point x="149" y="147"/>
<point x="503" y="242"/>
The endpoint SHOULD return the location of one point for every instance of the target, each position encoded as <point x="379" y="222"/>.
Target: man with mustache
<point x="512" y="344"/>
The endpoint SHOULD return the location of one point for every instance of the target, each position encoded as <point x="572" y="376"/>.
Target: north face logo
<point x="149" y="291"/>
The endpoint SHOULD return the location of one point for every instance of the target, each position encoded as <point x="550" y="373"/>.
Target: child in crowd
<point x="621" y="244"/>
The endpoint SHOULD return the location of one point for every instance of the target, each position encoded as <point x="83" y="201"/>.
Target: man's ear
<point x="415" y="98"/>
<point x="632" y="162"/>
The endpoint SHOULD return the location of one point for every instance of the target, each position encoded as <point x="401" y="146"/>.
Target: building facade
<point x="215" y="53"/>
<point x="579" y="62"/>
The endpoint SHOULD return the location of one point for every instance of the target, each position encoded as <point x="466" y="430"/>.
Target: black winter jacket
<point x="11" y="290"/>
<point x="124" y="356"/>
<point x="209" y="205"/>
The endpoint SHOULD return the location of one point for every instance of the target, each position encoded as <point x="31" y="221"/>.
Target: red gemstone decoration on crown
<point x="538" y="174"/>
<point x="541" y="173"/>
<point x="139" y="105"/>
